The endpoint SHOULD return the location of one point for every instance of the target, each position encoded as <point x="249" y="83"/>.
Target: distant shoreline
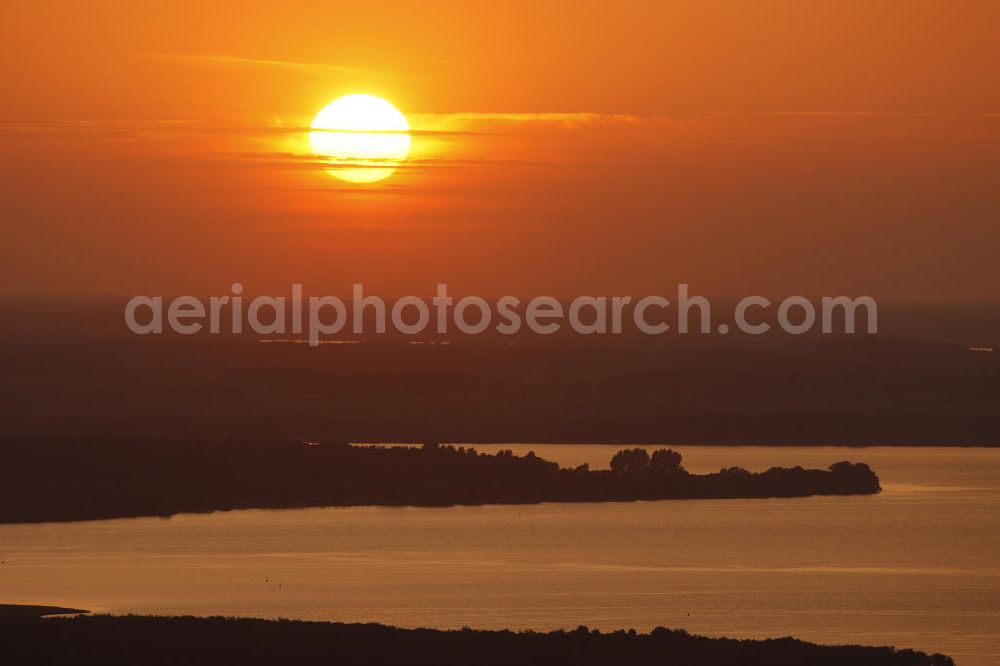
<point x="134" y="639"/>
<point x="852" y="391"/>
<point x="659" y="442"/>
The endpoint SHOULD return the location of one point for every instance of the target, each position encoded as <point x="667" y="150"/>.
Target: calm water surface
<point x="917" y="565"/>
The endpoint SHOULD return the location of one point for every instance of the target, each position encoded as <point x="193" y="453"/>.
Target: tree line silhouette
<point x="220" y="641"/>
<point x="59" y="479"/>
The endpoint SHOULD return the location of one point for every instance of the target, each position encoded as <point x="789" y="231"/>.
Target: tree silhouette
<point x="628" y="462"/>
<point x="665" y="460"/>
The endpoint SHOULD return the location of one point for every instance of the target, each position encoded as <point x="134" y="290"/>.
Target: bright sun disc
<point x="364" y="137"/>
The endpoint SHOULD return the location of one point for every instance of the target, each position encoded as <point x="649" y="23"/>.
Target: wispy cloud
<point x="460" y="123"/>
<point x="205" y="139"/>
<point x="857" y="113"/>
<point x="222" y="60"/>
<point x="568" y="119"/>
<point x="151" y="127"/>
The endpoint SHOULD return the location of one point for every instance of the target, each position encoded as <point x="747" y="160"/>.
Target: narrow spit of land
<point x="66" y="479"/>
<point x="9" y="611"/>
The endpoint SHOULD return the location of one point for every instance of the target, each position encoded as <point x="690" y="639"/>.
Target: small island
<point x="62" y="480"/>
<point x="130" y="639"/>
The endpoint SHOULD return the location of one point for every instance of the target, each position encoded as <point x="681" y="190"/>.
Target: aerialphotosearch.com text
<point x="321" y="316"/>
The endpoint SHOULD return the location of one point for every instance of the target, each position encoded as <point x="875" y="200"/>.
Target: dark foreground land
<point x="219" y="641"/>
<point x="58" y="479"/>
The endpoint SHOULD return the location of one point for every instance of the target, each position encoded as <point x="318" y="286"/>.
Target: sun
<point x="364" y="138"/>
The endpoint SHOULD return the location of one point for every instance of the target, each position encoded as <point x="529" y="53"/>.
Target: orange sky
<point x="769" y="147"/>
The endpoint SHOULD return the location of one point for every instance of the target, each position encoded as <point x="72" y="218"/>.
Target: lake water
<point x="917" y="565"/>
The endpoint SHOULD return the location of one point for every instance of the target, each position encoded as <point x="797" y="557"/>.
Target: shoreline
<point x="402" y="505"/>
